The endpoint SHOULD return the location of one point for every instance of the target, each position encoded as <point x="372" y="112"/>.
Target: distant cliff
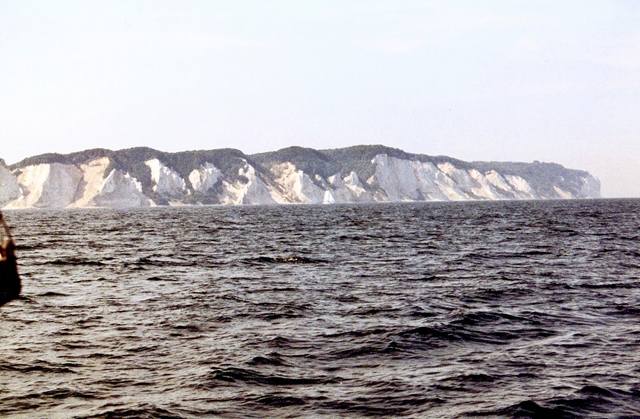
<point x="142" y="176"/>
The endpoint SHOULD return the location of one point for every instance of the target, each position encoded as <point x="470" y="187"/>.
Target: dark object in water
<point x="10" y="285"/>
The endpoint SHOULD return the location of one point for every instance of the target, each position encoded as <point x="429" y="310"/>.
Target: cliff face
<point x="141" y="177"/>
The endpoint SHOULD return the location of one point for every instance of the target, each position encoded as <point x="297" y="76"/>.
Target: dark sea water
<point x="431" y="310"/>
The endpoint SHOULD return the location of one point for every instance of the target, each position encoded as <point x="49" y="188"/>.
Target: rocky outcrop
<point x="141" y="177"/>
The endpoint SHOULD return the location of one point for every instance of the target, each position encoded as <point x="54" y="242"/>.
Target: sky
<point x="554" y="81"/>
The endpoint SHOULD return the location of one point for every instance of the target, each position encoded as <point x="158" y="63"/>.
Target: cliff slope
<point x="142" y="176"/>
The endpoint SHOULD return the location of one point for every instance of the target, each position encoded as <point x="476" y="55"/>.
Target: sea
<point x="511" y="309"/>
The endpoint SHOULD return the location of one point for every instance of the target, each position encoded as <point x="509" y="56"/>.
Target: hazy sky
<point x="476" y="80"/>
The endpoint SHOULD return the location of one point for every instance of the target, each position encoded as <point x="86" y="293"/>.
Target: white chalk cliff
<point x="9" y="187"/>
<point x="250" y="190"/>
<point x="167" y="182"/>
<point x="297" y="185"/>
<point x="203" y="178"/>
<point x="146" y="177"/>
<point x="115" y="189"/>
